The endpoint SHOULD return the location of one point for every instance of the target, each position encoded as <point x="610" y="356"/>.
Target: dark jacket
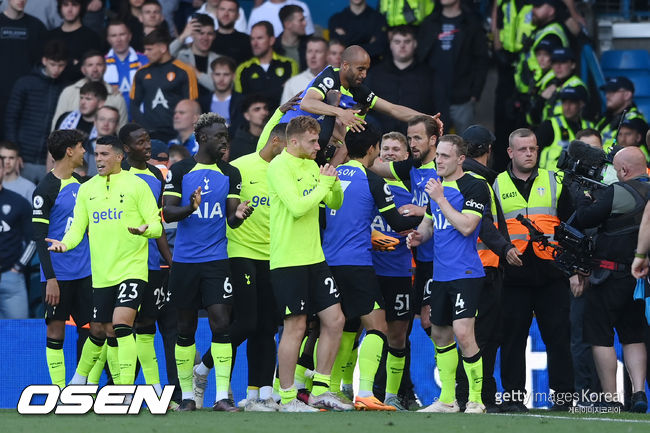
<point x="497" y="239"/>
<point x="368" y="29"/>
<point x="29" y="114"/>
<point x="302" y="49"/>
<point x="236" y="115"/>
<point x="243" y="143"/>
<point x="470" y="54"/>
<point x="410" y="87"/>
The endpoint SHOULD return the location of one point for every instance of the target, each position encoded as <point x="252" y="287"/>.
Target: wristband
<point x="640" y="256"/>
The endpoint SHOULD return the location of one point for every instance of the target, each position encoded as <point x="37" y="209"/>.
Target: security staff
<point x="493" y="245"/>
<point x="619" y="94"/>
<point x="555" y="134"/>
<point x="537" y="286"/>
<point x="405" y="12"/>
<point x="617" y="212"/>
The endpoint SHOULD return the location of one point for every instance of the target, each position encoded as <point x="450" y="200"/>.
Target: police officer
<point x="619" y="93"/>
<point x="493" y="246"/>
<point x="537" y="286"/>
<point x="555" y="134"/>
<point x="617" y="212"/>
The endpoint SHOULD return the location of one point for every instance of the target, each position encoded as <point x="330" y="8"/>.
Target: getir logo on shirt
<point x="110" y="214"/>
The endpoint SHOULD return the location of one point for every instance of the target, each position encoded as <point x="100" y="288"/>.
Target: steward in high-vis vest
<point x="493" y="245"/>
<point x="555" y="134"/>
<point x="619" y="94"/>
<point x="528" y="70"/>
<point x="536" y="287"/>
<point x="610" y="301"/>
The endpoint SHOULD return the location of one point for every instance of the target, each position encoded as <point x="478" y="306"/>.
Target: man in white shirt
<point x="316" y="56"/>
<point x="210" y="8"/>
<point x="12" y="180"/>
<point x="270" y="11"/>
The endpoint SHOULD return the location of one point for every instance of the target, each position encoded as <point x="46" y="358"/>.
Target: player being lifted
<point x="301" y="280"/>
<point x="67" y="287"/>
<point x="346" y="242"/>
<point x="137" y="146"/>
<point x="202" y="194"/>
<point x="453" y="218"/>
<point x="120" y="214"/>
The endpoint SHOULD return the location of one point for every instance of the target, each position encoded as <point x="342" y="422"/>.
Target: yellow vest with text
<point x="488" y="257"/>
<point x="541" y="209"/>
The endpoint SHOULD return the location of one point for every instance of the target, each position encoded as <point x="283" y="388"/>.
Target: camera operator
<point x="616" y="211"/>
<point x="537" y="286"/>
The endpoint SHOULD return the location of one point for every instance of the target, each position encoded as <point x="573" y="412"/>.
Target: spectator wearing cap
<point x="632" y="132"/>
<point x="619" y="94"/>
<point x="555" y="134"/>
<point x="159" y="156"/>
<point x="535" y="102"/>
<point x="493" y="246"/>
<point x="548" y="27"/>
<point x="563" y="66"/>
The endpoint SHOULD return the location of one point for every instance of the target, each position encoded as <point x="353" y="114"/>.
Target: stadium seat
<point x="641" y="79"/>
<point x="644" y="105"/>
<point x="625" y="59"/>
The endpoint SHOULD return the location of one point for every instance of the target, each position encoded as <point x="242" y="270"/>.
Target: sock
<point x="55" y="361"/>
<point x="394" y="370"/>
<point x="252" y="393"/>
<point x="113" y="361"/>
<point x="207" y="360"/>
<point x="342" y="358"/>
<point x="127" y="353"/>
<point x="96" y="372"/>
<point x="474" y="370"/>
<point x="203" y="369"/>
<point x="447" y="361"/>
<point x="222" y="354"/>
<point x="89" y="354"/>
<point x="299" y="376"/>
<point x="369" y="358"/>
<point x="266" y="392"/>
<point x="185" y="353"/>
<point x="314" y="354"/>
<point x="348" y="368"/>
<point x="321" y="384"/>
<point x="289" y="394"/>
<point x="276" y="389"/>
<point x="147" y="357"/>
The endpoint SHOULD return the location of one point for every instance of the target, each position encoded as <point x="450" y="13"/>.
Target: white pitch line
<point x="638" y="421"/>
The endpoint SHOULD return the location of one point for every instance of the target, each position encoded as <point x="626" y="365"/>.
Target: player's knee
<point x="396" y="339"/>
<point x="141" y="328"/>
<point x="334" y="323"/>
<point x="56" y="329"/>
<point x="442" y="335"/>
<point x="122" y="330"/>
<point x="185" y="339"/>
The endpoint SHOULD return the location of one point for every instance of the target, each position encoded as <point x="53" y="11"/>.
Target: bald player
<point x="356" y="98"/>
<point x="610" y="304"/>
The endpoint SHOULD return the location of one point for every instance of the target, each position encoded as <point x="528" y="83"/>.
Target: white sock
<point x="365" y="394"/>
<point x="158" y="389"/>
<point x="389" y="395"/>
<point x="188" y="395"/>
<point x="266" y="392"/>
<point x="222" y="395"/>
<point x="252" y="393"/>
<point x="78" y="379"/>
<point x="202" y="369"/>
<point x="300" y="385"/>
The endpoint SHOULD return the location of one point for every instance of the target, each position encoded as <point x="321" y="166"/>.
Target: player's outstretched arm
<point x="173" y="212"/>
<point x="640" y="264"/>
<point x="403" y="113"/>
<point x="313" y="103"/>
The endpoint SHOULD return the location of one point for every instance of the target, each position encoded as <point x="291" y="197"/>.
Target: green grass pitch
<point x="206" y="421"/>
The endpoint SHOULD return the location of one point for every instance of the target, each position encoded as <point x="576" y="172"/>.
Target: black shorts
<point x="75" y="299"/>
<point x="199" y="285"/>
<point x="307" y="289"/>
<point x="610" y="305"/>
<point x="423" y="280"/>
<point x="128" y="293"/>
<point x="251" y="280"/>
<point x="155" y="296"/>
<point x="360" y="293"/>
<point x="456" y="299"/>
<point x="396" y="292"/>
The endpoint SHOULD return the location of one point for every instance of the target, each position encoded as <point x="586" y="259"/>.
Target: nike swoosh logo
<point x="226" y="296"/>
<point x="460" y="311"/>
<point x="402" y="313"/>
<point x="299" y="179"/>
<point x="92" y="198"/>
<point x="205" y="192"/>
<point x="123" y="301"/>
<point x="253" y="183"/>
<point x="337" y="295"/>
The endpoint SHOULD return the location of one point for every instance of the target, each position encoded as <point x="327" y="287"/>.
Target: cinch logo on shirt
<point x="478" y="206"/>
<point x="110" y="214"/>
<point x="260" y="201"/>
